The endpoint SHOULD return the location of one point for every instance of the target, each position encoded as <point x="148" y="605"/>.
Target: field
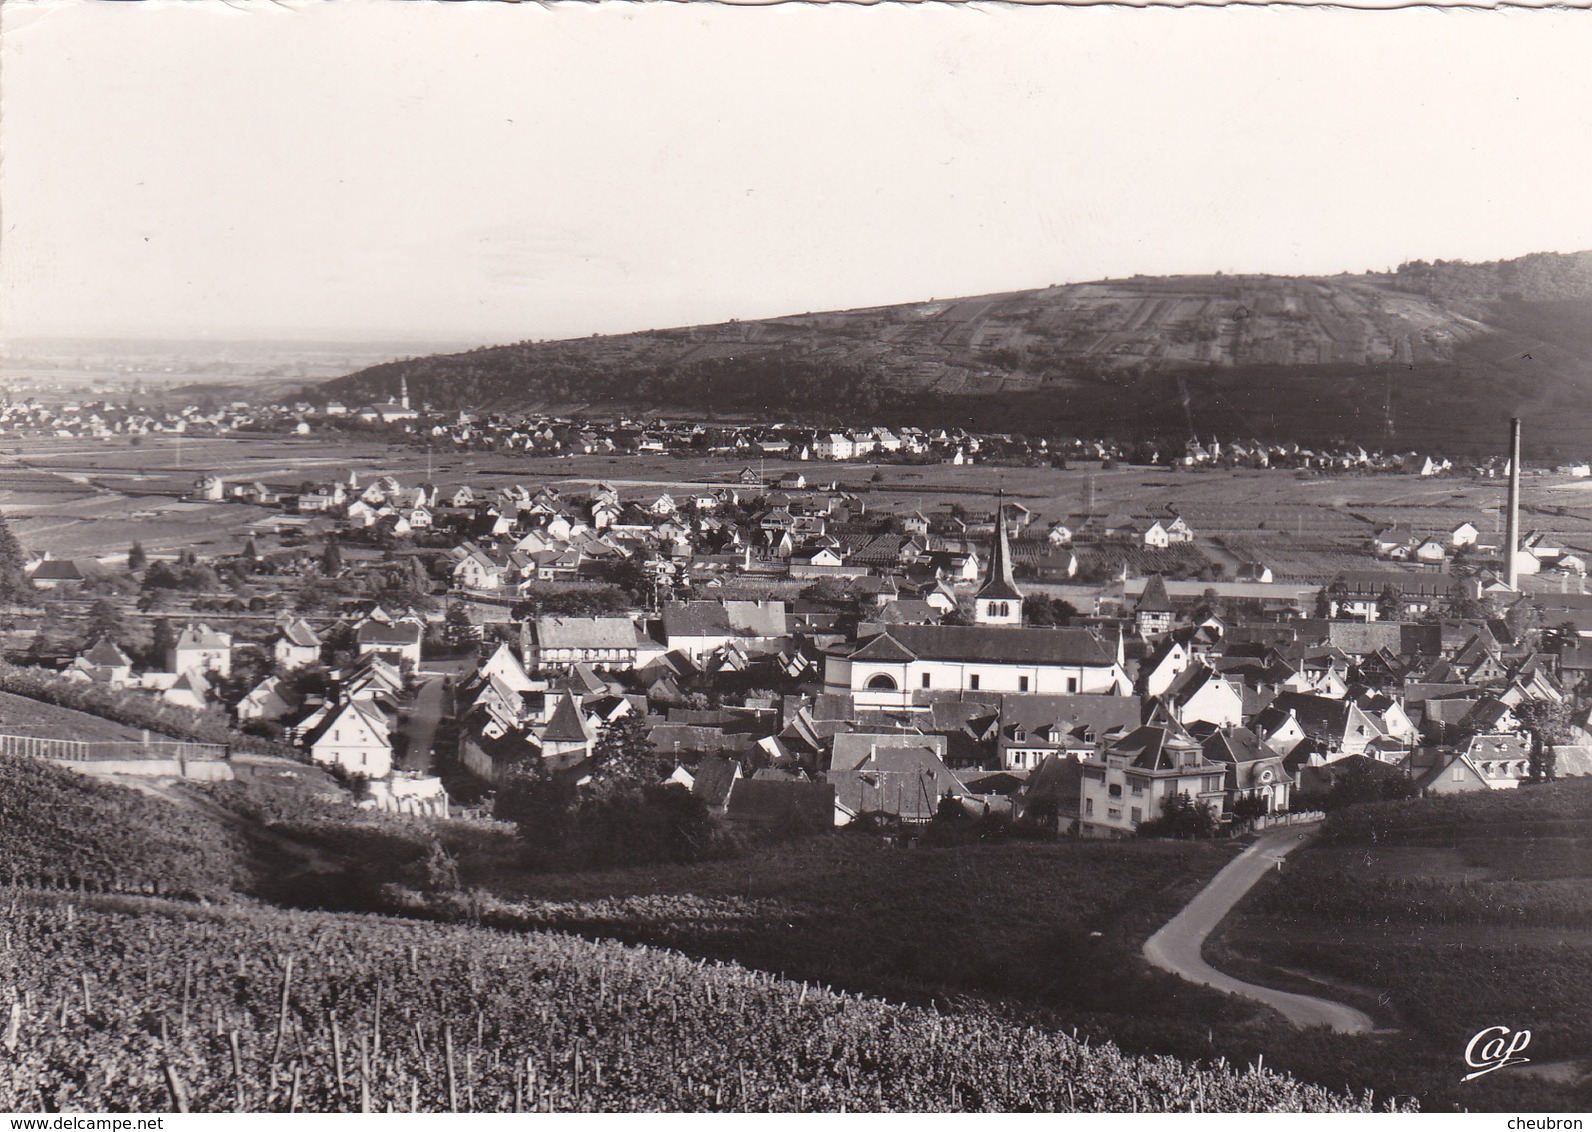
<point x="121" y="1005"/>
<point x="842" y="910"/>
<point x="78" y="497"/>
<point x="1443" y="916"/>
<point x="59" y="829"/>
<point x="129" y="1003"/>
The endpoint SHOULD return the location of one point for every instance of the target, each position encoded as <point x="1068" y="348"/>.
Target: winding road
<point x="1176" y="947"/>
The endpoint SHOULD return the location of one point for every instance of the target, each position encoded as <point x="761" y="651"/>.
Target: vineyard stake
<point x="447" y="1056"/>
<point x="281" y="1011"/>
<point x="237" y="1071"/>
<point x="293" y="1093"/>
<point x="376" y="1021"/>
<point x="179" y="1095"/>
<point x="337" y="1054"/>
<point x="364" y="1075"/>
<point x="14" y="1028"/>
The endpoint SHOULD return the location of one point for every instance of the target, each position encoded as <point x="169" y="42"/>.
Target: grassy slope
<point x="20" y="715"/>
<point x="1431" y="362"/>
<point x="1013" y="920"/>
<point x="1442" y="916"/>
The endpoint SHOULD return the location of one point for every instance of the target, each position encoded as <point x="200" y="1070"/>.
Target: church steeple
<point x="403" y="391"/>
<point x="999" y="601"/>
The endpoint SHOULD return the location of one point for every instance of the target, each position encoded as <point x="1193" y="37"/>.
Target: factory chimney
<point x="1512" y="517"/>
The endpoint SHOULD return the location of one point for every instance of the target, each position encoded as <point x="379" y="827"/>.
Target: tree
<point x="539" y="804"/>
<point x="625" y="756"/>
<point x="1548" y="724"/>
<point x="106" y="623"/>
<point x="1047" y="612"/>
<point x="15" y="585"/>
<point x="1183" y="818"/>
<point x="1390" y="603"/>
<point x="163" y="642"/>
<point x="458" y="630"/>
<point x="136" y="558"/>
<point x="332" y="560"/>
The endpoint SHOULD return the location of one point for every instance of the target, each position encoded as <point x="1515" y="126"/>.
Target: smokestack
<point x="1512" y="518"/>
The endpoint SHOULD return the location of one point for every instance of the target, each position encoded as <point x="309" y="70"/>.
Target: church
<point x="903" y="666"/>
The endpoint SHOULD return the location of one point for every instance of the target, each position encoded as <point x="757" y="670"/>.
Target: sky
<point x="498" y="172"/>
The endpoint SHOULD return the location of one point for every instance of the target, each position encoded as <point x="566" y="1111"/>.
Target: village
<point x="805" y="655"/>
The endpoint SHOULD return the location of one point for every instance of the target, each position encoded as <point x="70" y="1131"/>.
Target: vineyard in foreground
<point x="130" y="1004"/>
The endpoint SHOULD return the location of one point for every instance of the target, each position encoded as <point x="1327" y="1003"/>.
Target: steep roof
<point x="852" y="749"/>
<point x="401" y="634"/>
<point x="1154" y="599"/>
<point x="908" y="782"/>
<point x="567" y="725"/>
<point x="783" y="803"/>
<point x="106" y="654"/>
<point x="715" y="778"/>
<point x="298" y="633"/>
<point x="696" y="619"/>
<point x="1000" y="585"/>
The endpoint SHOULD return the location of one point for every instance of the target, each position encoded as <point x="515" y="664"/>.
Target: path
<point x="424" y="717"/>
<point x="1176" y="947"/>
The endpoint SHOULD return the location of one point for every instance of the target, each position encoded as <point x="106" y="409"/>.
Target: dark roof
<point x="783" y="803"/>
<point x="106" y="654"/>
<point x="1154" y="599"/>
<point x="696" y="619"/>
<point x="567" y="725"/>
<point x="907" y="782"/>
<point x="375" y="633"/>
<point x="1000" y="585"/>
<point x="1098" y="713"/>
<point x="714" y="780"/>
<point x="1155" y="747"/>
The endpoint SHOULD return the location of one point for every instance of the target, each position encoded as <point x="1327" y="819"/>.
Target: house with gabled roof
<point x="296" y="645"/>
<point x="1203" y="695"/>
<point x="906" y="783"/>
<point x="199" y="648"/>
<point x="267" y="700"/>
<point x="613" y="643"/>
<point x="1253" y="770"/>
<point x="1034" y="728"/>
<point x="106" y="664"/>
<point x="352" y="735"/>
<point x="1130" y="781"/>
<point x="398" y="642"/>
<point x="190" y="690"/>
<point x="1451" y="772"/>
<point x="1153" y="612"/>
<point x="1340" y="726"/>
<point x="568" y="735"/>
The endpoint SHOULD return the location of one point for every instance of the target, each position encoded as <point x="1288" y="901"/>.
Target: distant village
<point x="806" y="656"/>
<point x="550" y="435"/>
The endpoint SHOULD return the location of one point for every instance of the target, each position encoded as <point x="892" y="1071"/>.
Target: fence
<point x="110" y="750"/>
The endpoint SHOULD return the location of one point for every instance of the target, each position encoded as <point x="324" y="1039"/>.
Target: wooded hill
<point x="1432" y="355"/>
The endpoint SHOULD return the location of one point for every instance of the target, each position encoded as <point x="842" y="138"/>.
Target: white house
<point x="352" y="736"/>
<point x="887" y="669"/>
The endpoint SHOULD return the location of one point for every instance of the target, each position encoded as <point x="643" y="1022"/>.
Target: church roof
<point x="1000" y="585"/>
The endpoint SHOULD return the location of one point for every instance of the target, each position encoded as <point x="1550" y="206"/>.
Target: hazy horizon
<point x="370" y="172"/>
